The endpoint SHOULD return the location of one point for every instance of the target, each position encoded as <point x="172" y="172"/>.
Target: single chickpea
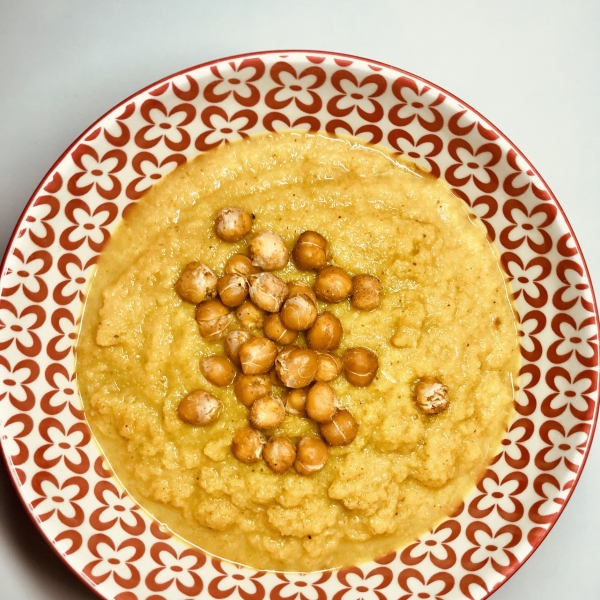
<point x="239" y="264"/>
<point x="268" y="251"/>
<point x="322" y="402"/>
<point x="232" y="224"/>
<point x="311" y="456"/>
<point x="219" y="370"/>
<point x="267" y="413"/>
<point x="257" y="356"/>
<point x="250" y="316"/>
<point x="296" y="367"/>
<point x="247" y="445"/>
<point x="341" y="430"/>
<point x="199" y="408"/>
<point x="295" y="402"/>
<point x="326" y="333"/>
<point x="213" y="319"/>
<point x="232" y="289"/>
<point x="298" y="313"/>
<point x="275" y="330"/>
<point x="431" y="395"/>
<point x="360" y="366"/>
<point x="267" y="291"/>
<point x="329" y="366"/>
<point x="279" y="454"/>
<point x="233" y="342"/>
<point x="295" y="288"/>
<point x="249" y="388"/>
<point x="333" y="285"/>
<point x="367" y="292"/>
<point x="310" y="251"/>
<point x="196" y="283"/>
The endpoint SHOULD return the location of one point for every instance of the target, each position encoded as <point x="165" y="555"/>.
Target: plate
<point x="80" y="507"/>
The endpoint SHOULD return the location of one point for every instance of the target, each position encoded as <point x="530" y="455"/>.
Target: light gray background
<point x="532" y="67"/>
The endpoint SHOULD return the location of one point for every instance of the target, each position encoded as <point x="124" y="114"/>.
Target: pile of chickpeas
<point x="261" y="300"/>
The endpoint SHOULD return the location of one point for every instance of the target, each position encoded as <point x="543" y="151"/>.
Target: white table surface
<point x="532" y="67"/>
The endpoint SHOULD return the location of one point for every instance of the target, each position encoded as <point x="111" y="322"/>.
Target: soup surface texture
<point x="445" y="313"/>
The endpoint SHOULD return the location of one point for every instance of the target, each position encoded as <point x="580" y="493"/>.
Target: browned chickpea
<point x="298" y="313"/>
<point x="213" y="319"/>
<point x="367" y="292"/>
<point x="333" y="285"/>
<point x="232" y="289"/>
<point x="249" y="388"/>
<point x="295" y="402"/>
<point x="296" y="367"/>
<point x="247" y="445"/>
<point x="310" y="251"/>
<point x="267" y="413"/>
<point x="431" y="395"/>
<point x="275" y="330"/>
<point x="267" y="291"/>
<point x="233" y="342"/>
<point x="296" y="288"/>
<point x="326" y="333"/>
<point x="219" y="370"/>
<point x="311" y="456"/>
<point x="268" y="251"/>
<point x="279" y="454"/>
<point x="250" y="316"/>
<point x="322" y="402"/>
<point x="199" y="408"/>
<point x="360" y="366"/>
<point x="257" y="356"/>
<point x="232" y="224"/>
<point x="196" y="283"/>
<point x="329" y="366"/>
<point x="341" y="430"/>
<point x="239" y="264"/>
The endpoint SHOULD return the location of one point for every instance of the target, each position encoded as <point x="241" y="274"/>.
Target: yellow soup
<point x="445" y="313"/>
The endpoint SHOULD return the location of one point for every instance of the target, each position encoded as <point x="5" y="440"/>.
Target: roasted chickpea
<point x="232" y="289"/>
<point x="431" y="395"/>
<point x="275" y="330"/>
<point x="298" y="313"/>
<point x="232" y="224"/>
<point x="296" y="288"/>
<point x="268" y="251"/>
<point x="249" y="388"/>
<point x="219" y="370"/>
<point x="196" y="283"/>
<point x="267" y="291"/>
<point x="360" y="366"/>
<point x="322" y="402"/>
<point x="267" y="413"/>
<point x="233" y="342"/>
<point x="367" y="292"/>
<point x="329" y="366"/>
<point x="257" y="356"/>
<point x="247" y="445"/>
<point x="199" y="408"/>
<point x="279" y="454"/>
<point x="310" y="251"/>
<point x="326" y="333"/>
<point x="239" y="264"/>
<point x="341" y="430"/>
<point x="250" y="316"/>
<point x="213" y="319"/>
<point x="311" y="456"/>
<point x="295" y="402"/>
<point x="333" y="285"/>
<point x="296" y="367"/>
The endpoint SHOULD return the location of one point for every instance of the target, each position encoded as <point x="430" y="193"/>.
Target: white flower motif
<point x="14" y="382"/>
<point x="429" y="589"/>
<point x="113" y="561"/>
<point x="417" y="104"/>
<point x="177" y="568"/>
<point x="295" y="87"/>
<point x="238" y="576"/>
<point x="64" y="445"/>
<point x="233" y="80"/>
<point x="89" y="226"/>
<point x="526" y="174"/>
<point x="224" y="129"/>
<point x="524" y="279"/>
<point x="498" y="494"/>
<point x="56" y="499"/>
<point x="491" y="547"/>
<point x="473" y="165"/>
<point x="527" y="226"/>
<point x="97" y="171"/>
<point x="165" y="124"/>
<point x="365" y="589"/>
<point x="304" y="585"/>
<point x="577" y="339"/>
<point x="356" y="96"/>
<point x="16" y="328"/>
<point x="570" y="394"/>
<point x="565" y="446"/>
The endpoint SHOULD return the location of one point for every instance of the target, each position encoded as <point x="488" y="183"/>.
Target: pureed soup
<point x="445" y="316"/>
